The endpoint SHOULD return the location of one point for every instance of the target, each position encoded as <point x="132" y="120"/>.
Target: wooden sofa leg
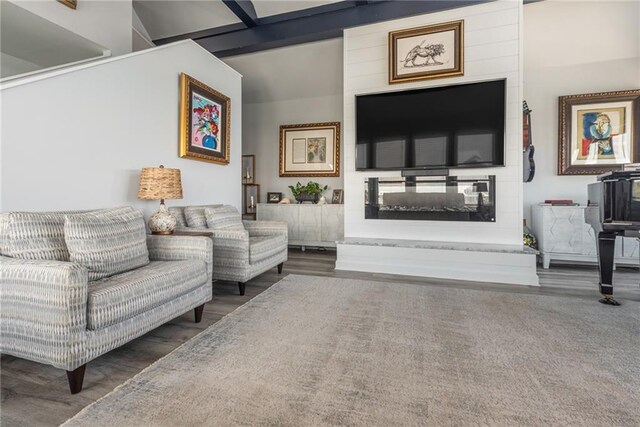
<point x="75" y="378"/>
<point x="280" y="267"/>
<point x="198" y="312"/>
<point x="241" y="286"/>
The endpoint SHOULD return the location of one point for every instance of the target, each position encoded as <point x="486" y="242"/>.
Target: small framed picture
<point x="274" y="197"/>
<point x="337" y="198"/>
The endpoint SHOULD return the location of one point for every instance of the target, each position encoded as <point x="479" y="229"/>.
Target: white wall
<point x="261" y="131"/>
<point x="563" y="56"/>
<point x="492" y="51"/>
<point x="12" y="65"/>
<point x="99" y="124"/>
<point x="107" y="23"/>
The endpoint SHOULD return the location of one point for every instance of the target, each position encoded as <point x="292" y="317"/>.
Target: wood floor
<point x="37" y="395"/>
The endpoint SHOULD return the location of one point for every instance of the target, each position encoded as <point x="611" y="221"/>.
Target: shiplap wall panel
<point x="493" y="49"/>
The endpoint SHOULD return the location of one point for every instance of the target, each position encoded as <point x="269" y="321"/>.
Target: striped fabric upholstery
<point x="263" y="247"/>
<point x="37" y="236"/>
<point x="107" y="245"/>
<point x="122" y="296"/>
<point x="40" y="235"/>
<point x="195" y="217"/>
<point x="45" y="302"/>
<point x="223" y="218"/>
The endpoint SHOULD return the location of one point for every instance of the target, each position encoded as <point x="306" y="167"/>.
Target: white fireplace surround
<point x="492" y="50"/>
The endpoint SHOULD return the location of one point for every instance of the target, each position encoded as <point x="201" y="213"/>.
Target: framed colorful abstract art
<point x="311" y="149"/>
<point x="204" y="122"/>
<point x="598" y="132"/>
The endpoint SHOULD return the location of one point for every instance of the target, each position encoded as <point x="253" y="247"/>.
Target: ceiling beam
<point x="244" y="10"/>
<point x="313" y="24"/>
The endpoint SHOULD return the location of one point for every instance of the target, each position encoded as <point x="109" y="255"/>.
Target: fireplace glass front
<point x="452" y="198"/>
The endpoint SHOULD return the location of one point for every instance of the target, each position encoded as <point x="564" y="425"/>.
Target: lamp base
<point x="162" y="222"/>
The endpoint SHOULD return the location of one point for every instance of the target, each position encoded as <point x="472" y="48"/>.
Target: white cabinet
<point x="309" y="225"/>
<point x="564" y="235"/>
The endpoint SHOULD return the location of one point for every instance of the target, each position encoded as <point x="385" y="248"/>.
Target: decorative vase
<point x="322" y="201"/>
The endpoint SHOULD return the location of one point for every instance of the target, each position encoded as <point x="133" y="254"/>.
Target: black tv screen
<point x="443" y="127"/>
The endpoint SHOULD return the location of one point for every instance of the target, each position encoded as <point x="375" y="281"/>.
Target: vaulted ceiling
<point x="233" y="27"/>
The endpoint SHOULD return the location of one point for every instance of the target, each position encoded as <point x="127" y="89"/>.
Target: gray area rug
<point x="323" y="351"/>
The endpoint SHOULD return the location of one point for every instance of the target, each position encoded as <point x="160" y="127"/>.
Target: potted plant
<point x="307" y="193"/>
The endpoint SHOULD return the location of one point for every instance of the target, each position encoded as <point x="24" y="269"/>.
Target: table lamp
<point x="159" y="184"/>
<point x="480" y="187"/>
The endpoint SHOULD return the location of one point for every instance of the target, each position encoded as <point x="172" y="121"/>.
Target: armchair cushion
<point x="263" y="247"/>
<point x="195" y="217"/>
<point x="120" y="297"/>
<point x="40" y="235"/>
<point x="107" y="245"/>
<point x="223" y="218"/>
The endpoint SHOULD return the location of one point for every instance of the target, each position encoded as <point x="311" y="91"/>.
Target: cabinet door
<point x="277" y="212"/>
<point x="309" y="221"/>
<point x="332" y="223"/>
<point x="563" y="229"/>
<point x="630" y="247"/>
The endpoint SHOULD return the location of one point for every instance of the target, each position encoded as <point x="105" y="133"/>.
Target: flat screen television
<point x="435" y="128"/>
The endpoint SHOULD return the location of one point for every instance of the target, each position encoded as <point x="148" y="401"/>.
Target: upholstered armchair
<point x="242" y="250"/>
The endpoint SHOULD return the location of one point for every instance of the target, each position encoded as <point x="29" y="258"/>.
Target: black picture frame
<point x="274" y="197"/>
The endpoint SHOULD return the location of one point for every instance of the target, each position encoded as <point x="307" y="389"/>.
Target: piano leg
<point x="606" y="252"/>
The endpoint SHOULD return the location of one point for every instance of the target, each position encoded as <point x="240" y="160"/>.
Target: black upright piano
<point x="617" y="198"/>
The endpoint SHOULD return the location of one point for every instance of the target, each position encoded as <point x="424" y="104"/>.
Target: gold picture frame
<point x="205" y="122"/>
<point x="441" y="44"/>
<point x="310" y="150"/>
<point x="73" y="4"/>
<point x="598" y="132"/>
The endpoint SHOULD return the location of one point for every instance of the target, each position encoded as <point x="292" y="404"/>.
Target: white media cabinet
<point x="309" y="224"/>
<point x="563" y="235"/>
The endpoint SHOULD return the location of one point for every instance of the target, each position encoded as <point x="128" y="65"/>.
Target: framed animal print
<point x="205" y="121"/>
<point x="311" y="149"/>
<point x="429" y="52"/>
<point x="598" y="132"/>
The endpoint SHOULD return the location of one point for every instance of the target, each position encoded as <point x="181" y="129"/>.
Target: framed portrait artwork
<point x="598" y="132"/>
<point x="204" y="122"/>
<point x="311" y="149"/>
<point x="429" y="52"/>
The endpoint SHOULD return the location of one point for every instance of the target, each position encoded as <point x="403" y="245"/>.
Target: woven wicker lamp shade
<point x="160" y="183"/>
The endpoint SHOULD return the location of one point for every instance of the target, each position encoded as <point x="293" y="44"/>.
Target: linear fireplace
<point x="449" y="198"/>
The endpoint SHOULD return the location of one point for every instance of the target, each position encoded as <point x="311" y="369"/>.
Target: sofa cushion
<point x="114" y="299"/>
<point x="263" y="247"/>
<point x="107" y="245"/>
<point x="194" y="216"/>
<point x="40" y="235"/>
<point x="223" y="218"/>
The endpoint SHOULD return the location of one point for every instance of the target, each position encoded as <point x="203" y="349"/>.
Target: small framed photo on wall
<point x="274" y="197"/>
<point x="338" y="197"/>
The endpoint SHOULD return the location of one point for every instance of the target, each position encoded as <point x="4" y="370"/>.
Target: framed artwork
<point x="251" y="198"/>
<point x="274" y="197"/>
<point x="598" y="132"/>
<point x="311" y="149"/>
<point x="204" y="122"/>
<point x="69" y="3"/>
<point x="429" y="52"/>
<point x="338" y="197"/>
<point x="248" y="168"/>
